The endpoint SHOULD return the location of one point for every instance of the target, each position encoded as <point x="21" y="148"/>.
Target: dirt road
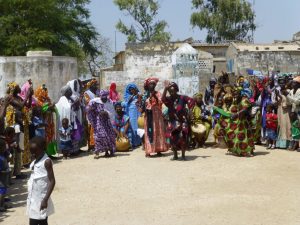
<point x="209" y="188"/>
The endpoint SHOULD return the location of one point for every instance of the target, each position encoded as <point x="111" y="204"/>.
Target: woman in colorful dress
<point x="4" y="103"/>
<point x="90" y="94"/>
<point x="200" y="115"/>
<point x="27" y="113"/>
<point x="104" y="135"/>
<point x="43" y="100"/>
<point x="239" y="137"/>
<point x="284" y="132"/>
<point x="131" y="97"/>
<point x="178" y="114"/>
<point x="113" y="94"/>
<point x="155" y="141"/>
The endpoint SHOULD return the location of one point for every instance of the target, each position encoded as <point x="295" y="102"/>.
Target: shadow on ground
<point x="17" y="193"/>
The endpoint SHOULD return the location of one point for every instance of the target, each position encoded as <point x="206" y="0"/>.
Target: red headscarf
<point x="150" y="80"/>
<point x="113" y="94"/>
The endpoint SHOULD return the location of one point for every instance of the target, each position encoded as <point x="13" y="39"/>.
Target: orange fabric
<point x="91" y="139"/>
<point x="42" y="98"/>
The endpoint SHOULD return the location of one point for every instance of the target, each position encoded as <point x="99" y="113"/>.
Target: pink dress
<point x="156" y="143"/>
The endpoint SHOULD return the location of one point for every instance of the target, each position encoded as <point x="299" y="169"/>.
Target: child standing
<point x="271" y="127"/>
<point x="40" y="184"/>
<point x="65" y="133"/>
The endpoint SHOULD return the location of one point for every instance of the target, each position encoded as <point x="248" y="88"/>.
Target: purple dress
<point x="105" y="138"/>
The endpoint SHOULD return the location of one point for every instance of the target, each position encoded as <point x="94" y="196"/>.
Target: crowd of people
<point x="251" y="110"/>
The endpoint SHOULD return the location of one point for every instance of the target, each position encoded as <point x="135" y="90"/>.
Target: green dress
<point x="296" y="130"/>
<point x="238" y="132"/>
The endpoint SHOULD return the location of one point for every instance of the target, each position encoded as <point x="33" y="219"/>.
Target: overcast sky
<point x="276" y="20"/>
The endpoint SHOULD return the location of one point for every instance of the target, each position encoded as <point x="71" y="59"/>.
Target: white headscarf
<point x="75" y="96"/>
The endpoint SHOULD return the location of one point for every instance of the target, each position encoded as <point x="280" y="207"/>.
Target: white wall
<point x="54" y="71"/>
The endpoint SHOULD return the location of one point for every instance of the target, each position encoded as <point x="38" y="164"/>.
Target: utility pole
<point x="115" y="43"/>
<point x="253" y="11"/>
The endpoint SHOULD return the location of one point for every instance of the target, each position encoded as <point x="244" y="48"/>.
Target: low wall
<point x="54" y="71"/>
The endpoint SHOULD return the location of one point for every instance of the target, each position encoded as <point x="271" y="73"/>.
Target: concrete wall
<point x="264" y="61"/>
<point x="54" y="71"/>
<point x="147" y="60"/>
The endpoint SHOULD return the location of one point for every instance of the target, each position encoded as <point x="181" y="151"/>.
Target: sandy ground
<point x="209" y="188"/>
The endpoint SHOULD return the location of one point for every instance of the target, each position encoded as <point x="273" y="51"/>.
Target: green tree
<point x="62" y="26"/>
<point x="224" y="19"/>
<point x="145" y="27"/>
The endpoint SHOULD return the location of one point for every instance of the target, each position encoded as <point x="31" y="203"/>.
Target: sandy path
<point x="210" y="188"/>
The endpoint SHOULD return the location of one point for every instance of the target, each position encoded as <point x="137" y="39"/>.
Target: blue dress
<point x="131" y="110"/>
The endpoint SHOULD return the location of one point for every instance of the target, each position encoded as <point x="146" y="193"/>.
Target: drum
<point x="141" y="121"/>
<point x="122" y="144"/>
<point x="198" y="129"/>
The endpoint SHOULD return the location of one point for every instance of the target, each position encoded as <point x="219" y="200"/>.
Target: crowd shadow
<point x="17" y="193"/>
<point x="260" y="153"/>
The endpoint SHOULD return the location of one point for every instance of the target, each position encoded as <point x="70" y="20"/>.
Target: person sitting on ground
<point x="121" y="123"/>
<point x="65" y="133"/>
<point x="200" y="115"/>
<point x="40" y="184"/>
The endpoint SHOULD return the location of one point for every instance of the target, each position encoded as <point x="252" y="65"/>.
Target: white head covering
<point x="75" y="94"/>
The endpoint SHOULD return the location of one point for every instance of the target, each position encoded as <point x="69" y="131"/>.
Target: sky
<point x="276" y="20"/>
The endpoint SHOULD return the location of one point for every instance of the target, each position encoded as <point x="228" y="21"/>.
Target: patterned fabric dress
<point x="104" y="135"/>
<point x="43" y="100"/>
<point x="239" y="137"/>
<point x="154" y="125"/>
<point x="178" y="127"/>
<point x="88" y="96"/>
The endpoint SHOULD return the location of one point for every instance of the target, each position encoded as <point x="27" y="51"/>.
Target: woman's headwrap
<point x="91" y="83"/>
<point x="42" y="96"/>
<point x="113" y="87"/>
<point x="198" y="95"/>
<point x="24" y="90"/>
<point x="297" y="79"/>
<point x="75" y="94"/>
<point x="118" y="104"/>
<point x="240" y="79"/>
<point x="103" y="93"/>
<point x="246" y="91"/>
<point x="228" y="96"/>
<point x="127" y="93"/>
<point x="174" y="85"/>
<point x="213" y="80"/>
<point x="150" y="80"/>
<point x="64" y="89"/>
<point x="11" y="87"/>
